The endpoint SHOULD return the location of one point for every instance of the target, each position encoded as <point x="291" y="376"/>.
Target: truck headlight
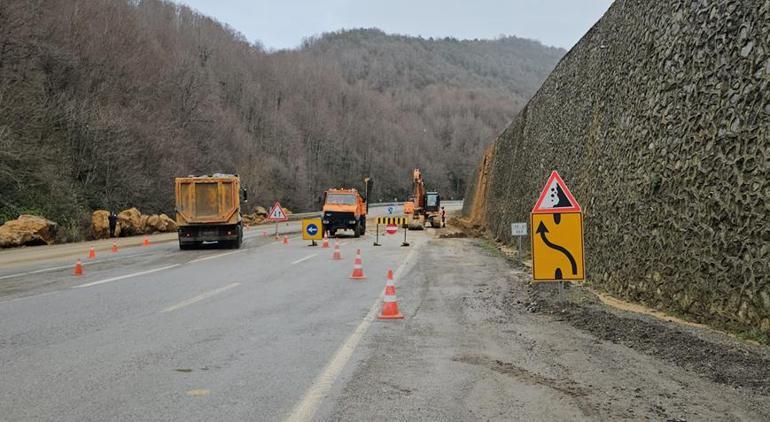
<point x="352" y="222"/>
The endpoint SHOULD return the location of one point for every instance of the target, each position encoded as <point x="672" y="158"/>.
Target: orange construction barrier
<point x="91" y="253"/>
<point x="390" y="302"/>
<point x="78" y="268"/>
<point x="358" y="267"/>
<point x="336" y="255"/>
<point x="114" y="247"/>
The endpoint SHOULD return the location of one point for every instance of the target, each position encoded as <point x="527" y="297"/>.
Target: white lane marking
<point x="307" y="407"/>
<point x="29" y="297"/>
<point x="304" y="259"/>
<point x="200" y="297"/>
<point x="206" y="258"/>
<point x="123" y="277"/>
<point x="63" y="267"/>
<point x="35" y="272"/>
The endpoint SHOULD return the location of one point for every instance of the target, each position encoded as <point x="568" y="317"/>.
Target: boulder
<point x="260" y="211"/>
<point x="100" y="224"/>
<point x="151" y="223"/>
<point x="27" y="230"/>
<point x="167" y="224"/>
<point x="130" y="222"/>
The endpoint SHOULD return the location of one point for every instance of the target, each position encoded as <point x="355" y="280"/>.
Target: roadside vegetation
<point x="103" y="102"/>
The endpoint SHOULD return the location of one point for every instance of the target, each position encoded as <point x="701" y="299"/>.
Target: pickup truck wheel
<point x="357" y="230"/>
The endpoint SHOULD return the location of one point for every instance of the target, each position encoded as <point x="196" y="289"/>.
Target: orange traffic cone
<point x="78" y="268"/>
<point x="91" y="253"/>
<point x="390" y="302"/>
<point x="336" y="255"/>
<point x="146" y="241"/>
<point x="326" y="243"/>
<point x="358" y="268"/>
<point x="286" y="240"/>
<point x="114" y="247"/>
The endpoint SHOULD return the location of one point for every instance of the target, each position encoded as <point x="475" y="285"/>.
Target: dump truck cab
<point x="208" y="209"/>
<point x="344" y="209"/>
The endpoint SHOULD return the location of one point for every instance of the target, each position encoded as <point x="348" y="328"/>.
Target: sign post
<point x="557" y="234"/>
<point x="519" y="230"/>
<point x="277" y="215"/>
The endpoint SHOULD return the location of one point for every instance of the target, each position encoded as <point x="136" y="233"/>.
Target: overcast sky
<point x="284" y="23"/>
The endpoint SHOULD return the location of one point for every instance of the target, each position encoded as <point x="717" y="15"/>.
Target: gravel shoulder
<point x="480" y="343"/>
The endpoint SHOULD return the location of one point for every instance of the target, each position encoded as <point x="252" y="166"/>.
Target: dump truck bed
<point x="207" y="200"/>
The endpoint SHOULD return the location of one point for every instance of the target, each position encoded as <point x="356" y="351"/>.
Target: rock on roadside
<point x="130" y="222"/>
<point x="167" y="224"/>
<point x="27" y="230"/>
<point x="100" y="224"/>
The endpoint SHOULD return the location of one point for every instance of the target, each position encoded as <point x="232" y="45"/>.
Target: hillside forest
<point x="104" y="102"/>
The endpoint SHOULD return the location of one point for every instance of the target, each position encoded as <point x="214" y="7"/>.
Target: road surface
<point x="280" y="332"/>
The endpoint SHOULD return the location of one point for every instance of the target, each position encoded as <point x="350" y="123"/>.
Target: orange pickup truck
<point x="344" y="209"/>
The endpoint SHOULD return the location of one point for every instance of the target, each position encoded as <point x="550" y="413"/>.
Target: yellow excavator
<point x="425" y="206"/>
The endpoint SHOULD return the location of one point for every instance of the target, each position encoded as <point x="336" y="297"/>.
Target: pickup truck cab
<point x="344" y="209"/>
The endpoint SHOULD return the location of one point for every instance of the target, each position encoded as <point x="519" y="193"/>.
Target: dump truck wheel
<point x="357" y="230"/>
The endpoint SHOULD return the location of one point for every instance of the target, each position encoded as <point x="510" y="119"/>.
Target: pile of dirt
<point x="468" y="227"/>
<point x="27" y="230"/>
<point x="725" y="362"/>
<point x="453" y="235"/>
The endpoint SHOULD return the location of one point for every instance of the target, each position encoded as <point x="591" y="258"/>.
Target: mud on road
<point x="480" y="343"/>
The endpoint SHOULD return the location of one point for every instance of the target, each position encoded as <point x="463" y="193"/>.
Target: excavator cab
<point x="432" y="202"/>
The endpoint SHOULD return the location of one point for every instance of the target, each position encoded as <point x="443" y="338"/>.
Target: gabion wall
<point x="659" y="122"/>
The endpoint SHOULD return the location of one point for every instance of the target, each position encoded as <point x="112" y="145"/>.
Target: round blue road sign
<point x="312" y="229"/>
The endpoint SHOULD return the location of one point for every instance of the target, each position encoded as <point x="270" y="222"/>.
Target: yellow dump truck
<point x="208" y="209"/>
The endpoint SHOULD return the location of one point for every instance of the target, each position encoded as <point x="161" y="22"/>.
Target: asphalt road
<point x="280" y="332"/>
<point x="155" y="333"/>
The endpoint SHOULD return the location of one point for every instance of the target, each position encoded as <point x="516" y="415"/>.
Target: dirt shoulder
<point x="480" y="343"/>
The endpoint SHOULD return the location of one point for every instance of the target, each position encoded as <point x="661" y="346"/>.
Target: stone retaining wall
<point x="659" y="122"/>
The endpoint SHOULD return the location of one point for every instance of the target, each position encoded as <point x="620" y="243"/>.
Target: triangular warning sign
<point x="556" y="197"/>
<point x="276" y="213"/>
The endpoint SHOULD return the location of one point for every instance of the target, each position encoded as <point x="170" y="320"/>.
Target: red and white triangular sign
<point x="556" y="197"/>
<point x="276" y="213"/>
